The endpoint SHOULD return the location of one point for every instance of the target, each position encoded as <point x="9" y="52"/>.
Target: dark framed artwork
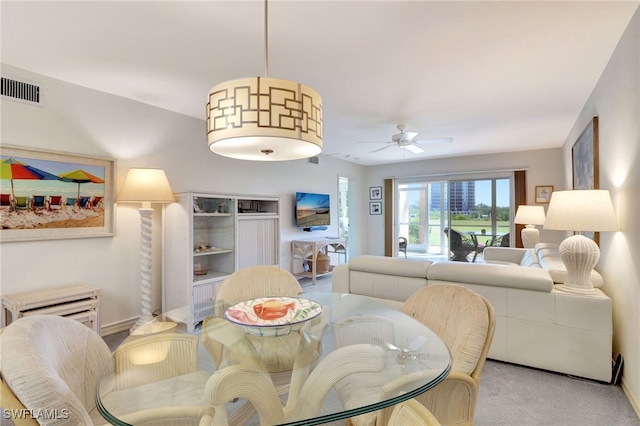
<point x="375" y="207"/>
<point x="375" y="193"/>
<point x="50" y="195"/>
<point x="585" y="167"/>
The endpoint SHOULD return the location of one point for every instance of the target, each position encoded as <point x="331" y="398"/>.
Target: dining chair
<point x="308" y="391"/>
<point x="411" y="412"/>
<point x="465" y="321"/>
<point x="51" y="361"/>
<point x="154" y="358"/>
<point x="277" y="354"/>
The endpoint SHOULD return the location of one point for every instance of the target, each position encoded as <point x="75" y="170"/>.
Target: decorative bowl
<point x="273" y="316"/>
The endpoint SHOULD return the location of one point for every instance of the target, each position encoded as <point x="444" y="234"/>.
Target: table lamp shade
<point x="146" y="185"/>
<point x="581" y="210"/>
<point x="530" y="216"/>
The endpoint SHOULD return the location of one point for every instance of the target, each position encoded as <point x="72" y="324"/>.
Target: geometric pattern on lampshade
<point x="264" y="119"/>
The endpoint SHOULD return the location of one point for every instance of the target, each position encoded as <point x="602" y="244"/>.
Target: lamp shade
<point x="146" y="185"/>
<point x="264" y="119"/>
<point x="581" y="210"/>
<point x="530" y="215"/>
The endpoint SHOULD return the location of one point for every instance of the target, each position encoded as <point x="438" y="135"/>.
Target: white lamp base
<point x="530" y="236"/>
<point x="579" y="255"/>
<point x="146" y="215"/>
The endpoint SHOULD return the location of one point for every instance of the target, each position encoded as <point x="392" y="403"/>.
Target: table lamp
<point x="580" y="211"/>
<point x="530" y="216"/>
<point x="145" y="186"/>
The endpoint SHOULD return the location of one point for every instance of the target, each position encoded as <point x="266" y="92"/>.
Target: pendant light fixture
<point x="264" y="119"/>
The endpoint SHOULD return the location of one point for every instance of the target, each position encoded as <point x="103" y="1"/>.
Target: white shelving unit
<point x="208" y="237"/>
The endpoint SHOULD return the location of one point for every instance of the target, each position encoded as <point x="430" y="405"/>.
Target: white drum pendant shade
<point x="264" y="119"/>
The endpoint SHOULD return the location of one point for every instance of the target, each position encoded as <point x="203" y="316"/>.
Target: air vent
<point x="314" y="160"/>
<point x="20" y="91"/>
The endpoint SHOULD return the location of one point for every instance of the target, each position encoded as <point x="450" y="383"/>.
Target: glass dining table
<point x="305" y="360"/>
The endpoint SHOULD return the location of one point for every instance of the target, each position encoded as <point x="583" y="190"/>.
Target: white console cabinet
<point x="206" y="238"/>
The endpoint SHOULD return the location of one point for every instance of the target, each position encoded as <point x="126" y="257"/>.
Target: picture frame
<point x="375" y="207"/>
<point x="375" y="193"/>
<point x="585" y="164"/>
<point x="543" y="194"/>
<point x="55" y="195"/>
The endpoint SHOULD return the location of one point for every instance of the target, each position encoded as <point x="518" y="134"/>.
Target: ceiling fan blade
<point x="434" y="140"/>
<point x="407" y="136"/>
<point x="414" y="148"/>
<point x="380" y="149"/>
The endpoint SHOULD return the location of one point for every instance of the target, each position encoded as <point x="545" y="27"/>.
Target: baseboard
<point x="633" y="399"/>
<point x="117" y="327"/>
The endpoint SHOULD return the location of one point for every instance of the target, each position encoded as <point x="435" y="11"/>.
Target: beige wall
<point x="616" y="102"/>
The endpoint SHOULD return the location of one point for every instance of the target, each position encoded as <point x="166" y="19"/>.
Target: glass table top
<point x="311" y="359"/>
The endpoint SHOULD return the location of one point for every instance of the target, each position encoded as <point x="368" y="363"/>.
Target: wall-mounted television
<point x="312" y="210"/>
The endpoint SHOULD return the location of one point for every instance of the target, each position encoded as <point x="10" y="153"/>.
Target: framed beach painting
<point x="585" y="167"/>
<point x="48" y="195"/>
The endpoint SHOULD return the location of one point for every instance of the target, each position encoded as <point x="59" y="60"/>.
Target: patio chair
<point x="54" y="202"/>
<point x="38" y="202"/>
<point x="500" y="241"/>
<point x="461" y="246"/>
<point x="5" y="202"/>
<point x="402" y="246"/>
<point x="21" y="203"/>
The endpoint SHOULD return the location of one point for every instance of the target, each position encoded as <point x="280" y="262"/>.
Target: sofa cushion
<point x="390" y="266"/>
<point x="491" y="274"/>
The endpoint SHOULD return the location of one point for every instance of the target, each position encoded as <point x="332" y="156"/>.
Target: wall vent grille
<point x="314" y="160"/>
<point x="19" y="90"/>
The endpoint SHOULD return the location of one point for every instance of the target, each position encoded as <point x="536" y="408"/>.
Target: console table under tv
<point x="308" y="256"/>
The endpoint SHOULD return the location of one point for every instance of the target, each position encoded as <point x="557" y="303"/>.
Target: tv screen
<point x="312" y="210"/>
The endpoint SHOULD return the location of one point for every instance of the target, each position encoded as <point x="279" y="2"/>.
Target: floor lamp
<point x="580" y="211"/>
<point x="530" y="216"/>
<point x="145" y="186"/>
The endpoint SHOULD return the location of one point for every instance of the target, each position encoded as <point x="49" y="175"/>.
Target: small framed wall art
<point x="543" y="193"/>
<point x="375" y="193"/>
<point x="375" y="207"/>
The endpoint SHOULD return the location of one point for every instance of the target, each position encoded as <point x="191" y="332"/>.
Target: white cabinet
<point x="206" y="238"/>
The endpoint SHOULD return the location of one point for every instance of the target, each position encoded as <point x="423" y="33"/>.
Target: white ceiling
<point x="495" y="76"/>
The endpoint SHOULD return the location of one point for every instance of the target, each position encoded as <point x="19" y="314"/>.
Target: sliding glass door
<point x="426" y="209"/>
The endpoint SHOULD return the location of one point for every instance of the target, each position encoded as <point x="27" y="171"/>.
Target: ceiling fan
<point x="408" y="140"/>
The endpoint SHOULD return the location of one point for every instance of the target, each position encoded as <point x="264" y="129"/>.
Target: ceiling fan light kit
<point x="264" y="119"/>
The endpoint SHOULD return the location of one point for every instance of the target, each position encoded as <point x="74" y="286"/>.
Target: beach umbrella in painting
<point x="80" y="176"/>
<point x="12" y="169"/>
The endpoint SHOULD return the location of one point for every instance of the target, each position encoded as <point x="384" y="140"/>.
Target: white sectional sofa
<point x="537" y="324"/>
